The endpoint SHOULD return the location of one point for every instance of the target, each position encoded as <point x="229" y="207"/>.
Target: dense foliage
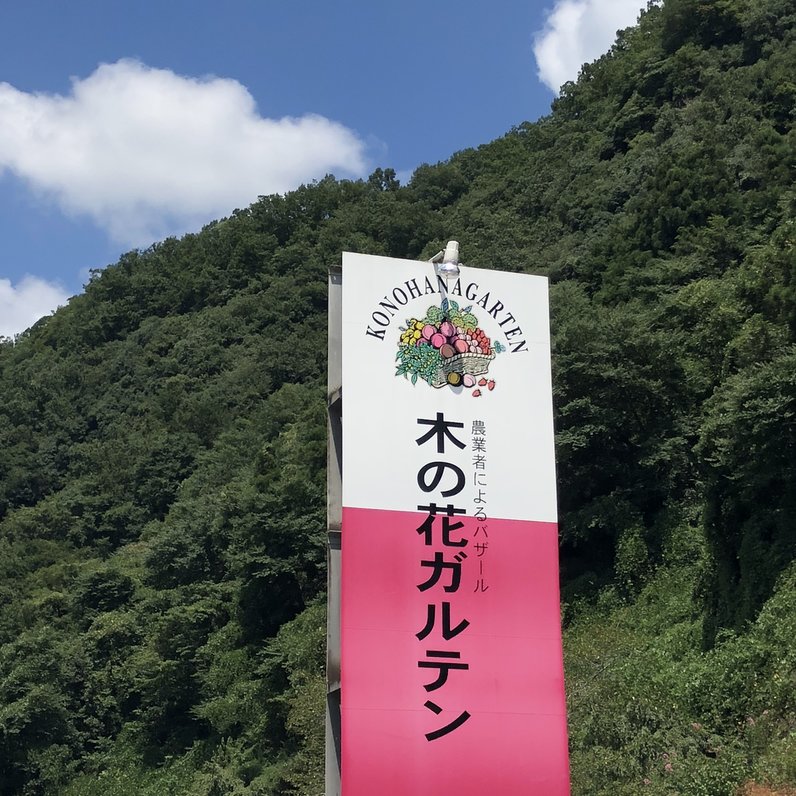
<point x="162" y="504"/>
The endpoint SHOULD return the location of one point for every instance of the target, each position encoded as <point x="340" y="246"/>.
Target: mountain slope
<point x="163" y="437"/>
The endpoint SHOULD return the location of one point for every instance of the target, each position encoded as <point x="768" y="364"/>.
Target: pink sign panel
<point x="451" y="673"/>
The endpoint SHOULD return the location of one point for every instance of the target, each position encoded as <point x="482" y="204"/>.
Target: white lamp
<point x="447" y="266"/>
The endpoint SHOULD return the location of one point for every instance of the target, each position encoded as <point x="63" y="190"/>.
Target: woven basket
<point x="474" y="364"/>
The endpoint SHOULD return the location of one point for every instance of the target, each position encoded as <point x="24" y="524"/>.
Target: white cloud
<point x="576" y="32"/>
<point x="146" y="152"/>
<point x="22" y="305"/>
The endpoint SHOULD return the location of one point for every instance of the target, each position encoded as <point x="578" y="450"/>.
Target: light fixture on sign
<point x="446" y="263"/>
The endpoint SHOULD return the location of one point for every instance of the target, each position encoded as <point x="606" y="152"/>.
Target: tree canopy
<point x="162" y="507"/>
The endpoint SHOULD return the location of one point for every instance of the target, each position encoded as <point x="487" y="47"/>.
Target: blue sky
<point x="122" y="123"/>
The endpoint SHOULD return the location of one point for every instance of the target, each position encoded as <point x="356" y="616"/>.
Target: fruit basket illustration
<point x="445" y="347"/>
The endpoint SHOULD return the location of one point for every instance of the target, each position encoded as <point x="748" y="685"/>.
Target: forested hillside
<point x="162" y="444"/>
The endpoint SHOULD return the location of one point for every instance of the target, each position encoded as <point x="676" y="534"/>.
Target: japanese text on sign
<point x="447" y="479"/>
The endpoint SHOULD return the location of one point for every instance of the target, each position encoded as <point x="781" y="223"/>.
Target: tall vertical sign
<point x="451" y="669"/>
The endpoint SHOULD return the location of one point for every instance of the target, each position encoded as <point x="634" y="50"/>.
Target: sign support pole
<point x="334" y="515"/>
